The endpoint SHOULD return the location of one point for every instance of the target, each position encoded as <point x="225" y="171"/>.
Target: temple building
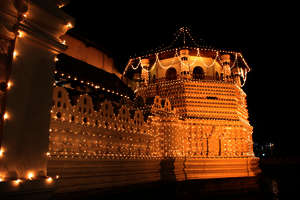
<point x="207" y="118"/>
<point x="70" y="121"/>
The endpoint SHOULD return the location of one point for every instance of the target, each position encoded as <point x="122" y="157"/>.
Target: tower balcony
<point x="184" y="77"/>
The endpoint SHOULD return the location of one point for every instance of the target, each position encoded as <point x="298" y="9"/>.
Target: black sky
<point x="264" y="33"/>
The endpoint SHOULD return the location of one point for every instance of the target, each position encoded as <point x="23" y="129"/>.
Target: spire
<point x="184" y="38"/>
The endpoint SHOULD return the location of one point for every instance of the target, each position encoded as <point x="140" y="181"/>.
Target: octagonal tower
<point x="208" y="131"/>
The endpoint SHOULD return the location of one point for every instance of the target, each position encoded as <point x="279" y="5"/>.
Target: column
<point x="36" y="27"/>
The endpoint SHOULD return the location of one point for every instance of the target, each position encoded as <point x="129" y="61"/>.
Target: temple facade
<point x="208" y="126"/>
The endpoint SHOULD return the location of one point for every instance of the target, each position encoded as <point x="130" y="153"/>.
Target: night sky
<point x="265" y="34"/>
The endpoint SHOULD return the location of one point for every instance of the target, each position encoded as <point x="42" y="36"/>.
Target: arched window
<point x="171" y="74"/>
<point x="217" y="76"/>
<point x="222" y="77"/>
<point x="198" y="73"/>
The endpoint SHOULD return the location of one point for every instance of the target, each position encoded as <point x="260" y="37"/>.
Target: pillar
<point x="185" y="68"/>
<point x="145" y="70"/>
<point x="35" y="27"/>
<point x="225" y="61"/>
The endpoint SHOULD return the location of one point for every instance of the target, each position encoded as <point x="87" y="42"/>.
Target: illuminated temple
<point x="199" y="108"/>
<point x="174" y="114"/>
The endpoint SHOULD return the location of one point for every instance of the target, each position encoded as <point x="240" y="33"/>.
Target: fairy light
<point x="69" y="25"/>
<point x="30" y="175"/>
<point x="49" y="180"/>
<point x="9" y="84"/>
<point x="20" y="34"/>
<point x="15" y="54"/>
<point x="60" y="5"/>
<point x="6" y="116"/>
<point x="1" y="152"/>
<point x="17" y="182"/>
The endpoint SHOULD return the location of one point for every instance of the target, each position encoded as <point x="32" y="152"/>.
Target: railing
<point x="180" y="78"/>
<point x="80" y="132"/>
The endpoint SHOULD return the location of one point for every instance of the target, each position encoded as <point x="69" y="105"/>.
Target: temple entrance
<point x="198" y="73"/>
<point x="171" y="74"/>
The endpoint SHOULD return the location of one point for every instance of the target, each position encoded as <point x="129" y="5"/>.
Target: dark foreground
<point x="278" y="181"/>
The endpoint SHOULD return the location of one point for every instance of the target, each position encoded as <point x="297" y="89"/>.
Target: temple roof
<point x="185" y="40"/>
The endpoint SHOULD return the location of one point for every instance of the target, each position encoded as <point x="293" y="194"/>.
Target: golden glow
<point x="20" y="34"/>
<point x="25" y="15"/>
<point x="69" y="25"/>
<point x="30" y="175"/>
<point x="61" y="5"/>
<point x="1" y="152"/>
<point x="9" y="85"/>
<point x="48" y="154"/>
<point x="6" y="116"/>
<point x="56" y="59"/>
<point x="57" y="176"/>
<point x="17" y="182"/>
<point x="49" y="180"/>
<point x="15" y="54"/>
<point x="63" y="42"/>
<point x="2" y="177"/>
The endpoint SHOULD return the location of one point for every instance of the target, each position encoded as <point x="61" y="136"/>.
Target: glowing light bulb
<point x="49" y="180"/>
<point x="6" y="116"/>
<point x="1" y="152"/>
<point x="15" y="54"/>
<point x="20" y="34"/>
<point x="30" y="175"/>
<point x="69" y="25"/>
<point x="17" y="182"/>
<point x="56" y="59"/>
<point x="9" y="84"/>
<point x="1" y="179"/>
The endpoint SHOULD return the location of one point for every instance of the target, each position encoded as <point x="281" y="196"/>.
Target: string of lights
<point x="89" y="84"/>
<point x="158" y="61"/>
<point x="189" y="64"/>
<point x="184" y="31"/>
<point x="163" y="66"/>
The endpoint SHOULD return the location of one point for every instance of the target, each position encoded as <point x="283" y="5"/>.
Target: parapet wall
<point x="97" y="148"/>
<point x="80" y="132"/>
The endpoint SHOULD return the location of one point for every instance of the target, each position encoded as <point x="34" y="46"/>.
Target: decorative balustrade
<point x="184" y="78"/>
<point x="80" y="132"/>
